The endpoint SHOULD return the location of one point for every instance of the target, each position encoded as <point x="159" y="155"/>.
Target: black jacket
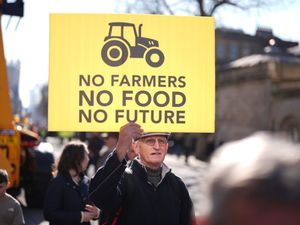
<point x="115" y="186"/>
<point x="65" y="200"/>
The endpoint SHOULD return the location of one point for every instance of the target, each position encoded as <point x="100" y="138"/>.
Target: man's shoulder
<point x="132" y="168"/>
<point x="11" y="200"/>
<point x="176" y="180"/>
<point x="11" y="209"/>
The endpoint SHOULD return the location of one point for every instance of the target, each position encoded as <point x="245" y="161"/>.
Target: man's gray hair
<point x="264" y="165"/>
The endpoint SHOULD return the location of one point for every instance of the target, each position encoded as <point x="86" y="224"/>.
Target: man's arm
<point x="187" y="214"/>
<point x="103" y="190"/>
<point x="106" y="185"/>
<point x="18" y="215"/>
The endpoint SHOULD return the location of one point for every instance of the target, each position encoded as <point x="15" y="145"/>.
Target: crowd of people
<point x="253" y="181"/>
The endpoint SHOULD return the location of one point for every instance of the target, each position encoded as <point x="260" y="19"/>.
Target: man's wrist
<point x="121" y="153"/>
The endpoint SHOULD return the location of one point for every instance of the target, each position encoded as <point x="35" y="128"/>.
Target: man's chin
<point x="156" y="161"/>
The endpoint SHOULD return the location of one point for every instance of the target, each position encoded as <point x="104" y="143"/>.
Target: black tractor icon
<point x="123" y="41"/>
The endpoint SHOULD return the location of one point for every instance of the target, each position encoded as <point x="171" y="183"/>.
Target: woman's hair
<point x="72" y="156"/>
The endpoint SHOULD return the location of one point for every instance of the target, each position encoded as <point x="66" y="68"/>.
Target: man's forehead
<point x="155" y="136"/>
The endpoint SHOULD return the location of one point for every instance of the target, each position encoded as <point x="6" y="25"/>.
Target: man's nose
<point x="156" y="144"/>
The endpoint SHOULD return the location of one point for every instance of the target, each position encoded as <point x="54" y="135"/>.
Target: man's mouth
<point x="155" y="153"/>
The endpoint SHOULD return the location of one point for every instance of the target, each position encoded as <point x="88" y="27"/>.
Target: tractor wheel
<point x="114" y="53"/>
<point x="154" y="57"/>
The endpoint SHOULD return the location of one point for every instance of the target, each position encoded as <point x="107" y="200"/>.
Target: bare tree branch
<point x="196" y="7"/>
<point x="168" y="8"/>
<point x="201" y="8"/>
<point x="220" y="3"/>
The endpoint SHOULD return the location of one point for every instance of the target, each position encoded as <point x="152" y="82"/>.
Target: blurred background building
<point x="258" y="85"/>
<point x="257" y="88"/>
<point x="13" y="70"/>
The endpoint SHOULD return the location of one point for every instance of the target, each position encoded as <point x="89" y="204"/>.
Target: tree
<point x="196" y="7"/>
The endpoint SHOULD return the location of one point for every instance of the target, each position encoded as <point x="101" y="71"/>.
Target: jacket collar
<point x="138" y="167"/>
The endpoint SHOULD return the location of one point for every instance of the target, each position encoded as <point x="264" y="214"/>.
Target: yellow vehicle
<point x="10" y="155"/>
<point x="13" y="142"/>
<point x="27" y="166"/>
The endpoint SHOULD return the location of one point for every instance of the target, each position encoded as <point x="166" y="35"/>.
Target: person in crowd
<point x="66" y="201"/>
<point x="110" y="142"/>
<point x="36" y="172"/>
<point x="147" y="192"/>
<point x="95" y="144"/>
<point x="10" y="209"/>
<point x="254" y="181"/>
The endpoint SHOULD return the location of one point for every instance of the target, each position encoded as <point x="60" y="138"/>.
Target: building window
<point x="290" y="127"/>
<point x="233" y="51"/>
<point x="246" y="50"/>
<point x="220" y="50"/>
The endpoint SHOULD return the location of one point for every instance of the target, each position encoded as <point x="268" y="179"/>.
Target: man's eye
<point x="150" y="141"/>
<point x="161" y="142"/>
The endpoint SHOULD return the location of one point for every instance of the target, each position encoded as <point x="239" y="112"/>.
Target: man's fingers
<point x="131" y="130"/>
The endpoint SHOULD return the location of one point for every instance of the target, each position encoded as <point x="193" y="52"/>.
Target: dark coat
<point x="65" y="200"/>
<point x="115" y="186"/>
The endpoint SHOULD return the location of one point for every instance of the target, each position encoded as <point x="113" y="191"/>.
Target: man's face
<point x="152" y="150"/>
<point x="3" y="188"/>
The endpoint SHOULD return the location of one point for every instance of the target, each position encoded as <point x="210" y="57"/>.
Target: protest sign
<point x="110" y="69"/>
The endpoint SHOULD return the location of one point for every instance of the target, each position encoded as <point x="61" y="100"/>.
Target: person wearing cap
<point x="147" y="192"/>
<point x="110" y="142"/>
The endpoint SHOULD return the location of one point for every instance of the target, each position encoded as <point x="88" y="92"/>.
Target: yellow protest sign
<point x="110" y="69"/>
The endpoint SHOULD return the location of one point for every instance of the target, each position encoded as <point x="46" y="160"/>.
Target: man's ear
<point x="135" y="147"/>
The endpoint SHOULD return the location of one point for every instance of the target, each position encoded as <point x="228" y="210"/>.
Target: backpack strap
<point x="113" y="218"/>
<point x="117" y="215"/>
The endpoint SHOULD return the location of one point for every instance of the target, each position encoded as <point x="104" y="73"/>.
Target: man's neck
<point x="154" y="175"/>
<point x="151" y="166"/>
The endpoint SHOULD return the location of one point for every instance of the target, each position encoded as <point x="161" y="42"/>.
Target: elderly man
<point x="147" y="192"/>
<point x="254" y="181"/>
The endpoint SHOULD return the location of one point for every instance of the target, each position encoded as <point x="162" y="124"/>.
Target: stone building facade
<point x="258" y="92"/>
<point x="257" y="88"/>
